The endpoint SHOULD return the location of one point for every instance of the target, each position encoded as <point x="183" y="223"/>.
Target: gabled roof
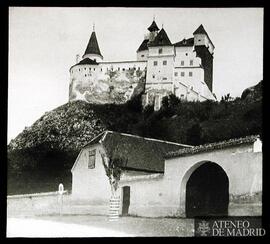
<point x="88" y="61"/>
<point x="153" y="27"/>
<point x="185" y="43"/>
<point x="212" y="146"/>
<point x="85" y="61"/>
<point x="200" y="30"/>
<point x="92" y="47"/>
<point x="143" y="46"/>
<point x="161" y="39"/>
<point x="144" y="154"/>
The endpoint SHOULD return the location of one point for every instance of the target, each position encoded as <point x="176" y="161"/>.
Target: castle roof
<point x="88" y="61"/>
<point x="185" y="43"/>
<point x="161" y="39"/>
<point x="143" y="46"/>
<point x="92" y="47"/>
<point x="145" y="154"/>
<point x="200" y="30"/>
<point x="153" y="27"/>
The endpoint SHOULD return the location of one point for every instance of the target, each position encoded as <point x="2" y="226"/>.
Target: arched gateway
<point x="205" y="190"/>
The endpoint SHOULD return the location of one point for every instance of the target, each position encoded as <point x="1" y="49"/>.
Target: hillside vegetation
<point x="41" y="156"/>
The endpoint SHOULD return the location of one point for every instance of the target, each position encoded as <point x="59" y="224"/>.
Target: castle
<point x="184" y="68"/>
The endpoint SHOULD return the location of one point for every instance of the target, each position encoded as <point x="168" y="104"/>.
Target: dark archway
<point x="207" y="191"/>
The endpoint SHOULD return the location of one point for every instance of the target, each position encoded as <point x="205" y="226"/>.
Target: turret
<point x="153" y="28"/>
<point x="92" y="50"/>
<point x="205" y="50"/>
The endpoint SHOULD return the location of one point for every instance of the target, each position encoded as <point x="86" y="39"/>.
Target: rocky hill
<point x="42" y="155"/>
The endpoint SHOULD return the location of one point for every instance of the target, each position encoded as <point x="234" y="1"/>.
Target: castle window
<point x="123" y="69"/>
<point x="165" y="62"/>
<point x="153" y="76"/>
<point x="164" y="78"/>
<point x="94" y="69"/>
<point x="89" y="68"/>
<point x="182" y="73"/>
<point x="128" y="68"/>
<point x="191" y="62"/>
<point x="79" y="69"/>
<point x="101" y="69"/>
<point x="189" y="74"/>
<point x="84" y="68"/>
<point x="142" y="55"/>
<point x="118" y="68"/>
<point x="160" y="51"/>
<point x="182" y="63"/>
<point x="155" y="63"/>
<point x="186" y="54"/>
<point x="85" y="75"/>
<point x="175" y="74"/>
<point x="138" y="68"/>
<point x="91" y="159"/>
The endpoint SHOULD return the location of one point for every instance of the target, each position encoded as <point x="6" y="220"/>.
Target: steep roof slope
<point x="140" y="153"/>
<point x="92" y="47"/>
<point x="143" y="46"/>
<point x="153" y="27"/>
<point x="185" y="43"/>
<point x="161" y="39"/>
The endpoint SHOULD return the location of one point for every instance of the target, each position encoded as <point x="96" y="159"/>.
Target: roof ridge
<point x="150" y="139"/>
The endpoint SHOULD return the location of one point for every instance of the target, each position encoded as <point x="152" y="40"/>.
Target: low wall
<point x="49" y="203"/>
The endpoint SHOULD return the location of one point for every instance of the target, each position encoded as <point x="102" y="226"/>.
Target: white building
<point x="184" y="68"/>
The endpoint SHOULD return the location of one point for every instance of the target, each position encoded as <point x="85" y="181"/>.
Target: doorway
<point x="125" y="200"/>
<point x="207" y="191"/>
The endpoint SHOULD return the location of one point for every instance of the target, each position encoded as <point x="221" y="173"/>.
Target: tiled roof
<point x="185" y="43"/>
<point x="141" y="153"/>
<point x="92" y="47"/>
<point x="153" y="27"/>
<point x="87" y="61"/>
<point x="212" y="146"/>
<point x="143" y="46"/>
<point x="200" y="30"/>
<point x="161" y="39"/>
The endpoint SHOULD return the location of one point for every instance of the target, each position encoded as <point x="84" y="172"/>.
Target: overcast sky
<point x="43" y="43"/>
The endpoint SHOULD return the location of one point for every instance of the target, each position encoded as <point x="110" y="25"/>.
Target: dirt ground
<point x="98" y="226"/>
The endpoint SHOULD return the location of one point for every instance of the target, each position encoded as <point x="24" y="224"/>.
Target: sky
<point x="44" y="42"/>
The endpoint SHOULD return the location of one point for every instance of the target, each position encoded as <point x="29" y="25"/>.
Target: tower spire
<point x="94" y="27"/>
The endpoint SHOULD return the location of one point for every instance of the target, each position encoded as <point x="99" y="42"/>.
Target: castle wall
<point x="107" y="82"/>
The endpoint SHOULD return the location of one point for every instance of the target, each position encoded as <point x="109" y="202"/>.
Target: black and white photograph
<point x="135" y="122"/>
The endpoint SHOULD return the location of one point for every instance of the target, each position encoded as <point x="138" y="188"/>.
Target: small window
<point x="91" y="159"/>
<point x="186" y="54"/>
<point x="85" y="75"/>
<point x="94" y="69"/>
<point x="128" y="68"/>
<point x="138" y="68"/>
<point x="79" y="69"/>
<point x="101" y="69"/>
<point x="182" y="73"/>
<point x="189" y="74"/>
<point x="89" y="68"/>
<point x="153" y="76"/>
<point x="123" y="69"/>
<point x="175" y="74"/>
<point x="118" y="68"/>
<point x="191" y="62"/>
<point x="160" y="51"/>
<point x="142" y="55"/>
<point x="84" y="68"/>
<point x="165" y="62"/>
<point x="182" y="63"/>
<point x="155" y="63"/>
<point x="164" y="78"/>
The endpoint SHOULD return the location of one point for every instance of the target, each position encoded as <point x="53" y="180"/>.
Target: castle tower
<point x="92" y="50"/>
<point x="153" y="28"/>
<point x="142" y="51"/>
<point x="205" y="50"/>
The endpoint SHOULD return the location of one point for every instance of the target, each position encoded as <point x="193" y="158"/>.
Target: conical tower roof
<point x="200" y="30"/>
<point x="92" y="47"/>
<point x="153" y="27"/>
<point x="161" y="39"/>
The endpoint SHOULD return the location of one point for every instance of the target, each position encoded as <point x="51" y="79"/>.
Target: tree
<point x="113" y="168"/>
